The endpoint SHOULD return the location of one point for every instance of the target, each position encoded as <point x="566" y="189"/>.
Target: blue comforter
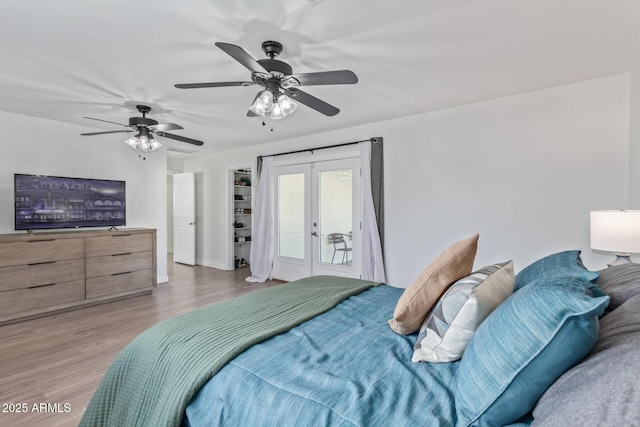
<point x="345" y="367"/>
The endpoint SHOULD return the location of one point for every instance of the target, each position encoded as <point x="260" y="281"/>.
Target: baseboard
<point x="213" y="264"/>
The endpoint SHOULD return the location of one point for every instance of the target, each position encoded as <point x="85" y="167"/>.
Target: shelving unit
<point x="241" y="217"/>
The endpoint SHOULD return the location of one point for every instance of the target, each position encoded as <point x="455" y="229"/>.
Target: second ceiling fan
<point x="281" y="86"/>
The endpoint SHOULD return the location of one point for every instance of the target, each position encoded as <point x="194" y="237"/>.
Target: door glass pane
<point x="291" y="215"/>
<point x="336" y="213"/>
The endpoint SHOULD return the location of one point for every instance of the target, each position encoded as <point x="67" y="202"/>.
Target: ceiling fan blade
<point x="105" y="132"/>
<point x="213" y="84"/>
<point x="106" y="121"/>
<point x="241" y="55"/>
<point x="340" y="77"/>
<point x="251" y="113"/>
<point x="161" y="127"/>
<point x="180" y="138"/>
<point x="312" y="102"/>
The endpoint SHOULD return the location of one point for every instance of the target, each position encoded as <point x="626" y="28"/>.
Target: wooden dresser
<point x="55" y="271"/>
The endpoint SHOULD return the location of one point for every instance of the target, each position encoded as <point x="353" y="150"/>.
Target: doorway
<point x="318" y="219"/>
<point x="241" y="213"/>
<point x="184" y="218"/>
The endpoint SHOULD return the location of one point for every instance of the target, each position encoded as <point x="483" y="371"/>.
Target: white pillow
<point x="452" y="322"/>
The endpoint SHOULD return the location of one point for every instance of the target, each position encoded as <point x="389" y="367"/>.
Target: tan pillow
<point x="454" y="263"/>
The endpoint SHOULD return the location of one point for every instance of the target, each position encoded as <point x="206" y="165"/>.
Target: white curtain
<point x="261" y="257"/>
<point x="372" y="262"/>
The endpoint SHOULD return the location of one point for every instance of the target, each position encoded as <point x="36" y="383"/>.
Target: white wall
<point x="523" y="171"/>
<point x="170" y="213"/>
<point x="634" y="142"/>
<point x="38" y="146"/>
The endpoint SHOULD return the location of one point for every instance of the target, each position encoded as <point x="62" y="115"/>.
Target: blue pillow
<point x="531" y="339"/>
<point x="567" y="263"/>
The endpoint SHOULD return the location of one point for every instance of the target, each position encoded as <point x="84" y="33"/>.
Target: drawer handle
<point x="120" y="235"/>
<point x="41" y="286"/>
<point x="42" y="240"/>
<point x="43" y="262"/>
<point x="127" y="253"/>
<point x="120" y="274"/>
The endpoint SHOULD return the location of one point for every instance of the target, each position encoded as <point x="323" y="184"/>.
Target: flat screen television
<point x="44" y="202"/>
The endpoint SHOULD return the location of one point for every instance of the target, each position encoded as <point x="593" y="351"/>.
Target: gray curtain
<point x="377" y="183"/>
<point x="258" y="167"/>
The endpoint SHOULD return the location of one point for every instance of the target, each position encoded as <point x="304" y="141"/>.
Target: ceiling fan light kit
<point x="143" y="143"/>
<point x="279" y="82"/>
<point x="279" y="107"/>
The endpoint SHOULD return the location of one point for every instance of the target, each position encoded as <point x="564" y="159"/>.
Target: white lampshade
<point x="131" y="142"/>
<point x="277" y="113"/>
<point x="615" y="231"/>
<point x="286" y="104"/>
<point x="263" y="103"/>
<point x="143" y="143"/>
<point x="155" y="145"/>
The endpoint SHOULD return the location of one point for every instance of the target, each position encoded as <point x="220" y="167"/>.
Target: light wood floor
<point x="60" y="359"/>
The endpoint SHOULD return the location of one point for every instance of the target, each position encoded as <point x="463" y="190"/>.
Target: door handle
<point x="314" y="234"/>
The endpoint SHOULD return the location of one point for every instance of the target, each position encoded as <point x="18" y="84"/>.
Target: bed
<point x="321" y="352"/>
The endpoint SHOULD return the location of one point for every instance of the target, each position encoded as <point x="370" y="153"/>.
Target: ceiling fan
<point x="146" y="129"/>
<point x="279" y="82"/>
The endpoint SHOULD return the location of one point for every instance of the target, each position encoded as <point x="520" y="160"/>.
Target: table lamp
<point x="616" y="231"/>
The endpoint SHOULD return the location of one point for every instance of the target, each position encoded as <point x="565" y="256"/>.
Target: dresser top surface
<point x="70" y="234"/>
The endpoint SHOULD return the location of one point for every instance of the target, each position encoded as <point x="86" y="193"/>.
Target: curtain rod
<point x="373" y="140"/>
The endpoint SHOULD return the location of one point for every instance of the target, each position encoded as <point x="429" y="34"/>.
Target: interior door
<point x="317" y="220"/>
<point x="184" y="218"/>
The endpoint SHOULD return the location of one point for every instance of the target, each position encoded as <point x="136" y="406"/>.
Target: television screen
<point x="58" y="202"/>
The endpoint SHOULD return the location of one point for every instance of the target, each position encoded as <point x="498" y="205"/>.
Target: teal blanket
<point x="153" y="379"/>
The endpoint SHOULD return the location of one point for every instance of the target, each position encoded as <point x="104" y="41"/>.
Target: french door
<point x="318" y="219"/>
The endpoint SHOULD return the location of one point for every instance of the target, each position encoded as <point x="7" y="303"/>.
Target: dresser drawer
<point x="123" y="263"/>
<point x="115" y="283"/>
<point x="24" y="300"/>
<point x="40" y="250"/>
<point x="118" y="244"/>
<point x="26" y="276"/>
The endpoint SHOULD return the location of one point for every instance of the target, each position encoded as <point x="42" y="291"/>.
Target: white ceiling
<point x="99" y="58"/>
